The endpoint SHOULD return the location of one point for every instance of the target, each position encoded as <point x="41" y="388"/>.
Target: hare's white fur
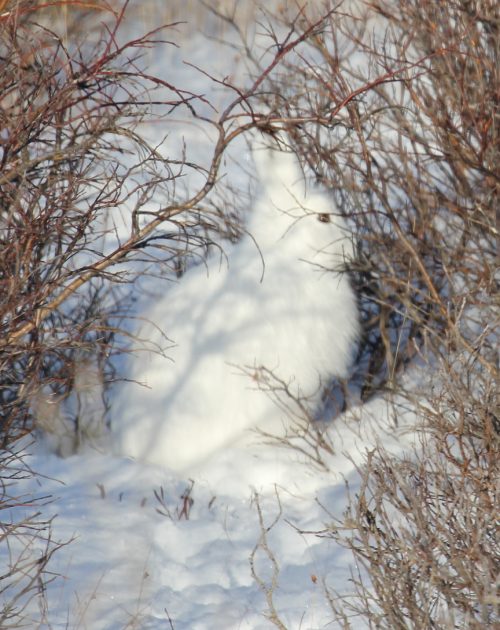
<point x="282" y="302"/>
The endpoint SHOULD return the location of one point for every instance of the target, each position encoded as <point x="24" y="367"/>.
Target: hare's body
<point x="274" y="305"/>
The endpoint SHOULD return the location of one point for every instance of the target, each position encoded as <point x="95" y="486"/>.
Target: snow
<point x="171" y="538"/>
<point x="141" y="554"/>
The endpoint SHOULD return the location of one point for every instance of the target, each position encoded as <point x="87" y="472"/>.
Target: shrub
<point x="411" y="161"/>
<point x="73" y="157"/>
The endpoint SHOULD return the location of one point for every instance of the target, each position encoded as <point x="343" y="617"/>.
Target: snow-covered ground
<point x="148" y="546"/>
<point x="227" y="545"/>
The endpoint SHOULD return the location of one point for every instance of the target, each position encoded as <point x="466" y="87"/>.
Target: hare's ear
<point x="278" y="170"/>
<point x="264" y="148"/>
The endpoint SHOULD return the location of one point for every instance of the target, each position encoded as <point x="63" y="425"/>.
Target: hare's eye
<point x="324" y="218"/>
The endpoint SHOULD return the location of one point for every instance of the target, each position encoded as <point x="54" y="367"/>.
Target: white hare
<point x="281" y="302"/>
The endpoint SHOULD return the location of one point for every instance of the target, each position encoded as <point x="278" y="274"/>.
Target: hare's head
<point x="289" y="219"/>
